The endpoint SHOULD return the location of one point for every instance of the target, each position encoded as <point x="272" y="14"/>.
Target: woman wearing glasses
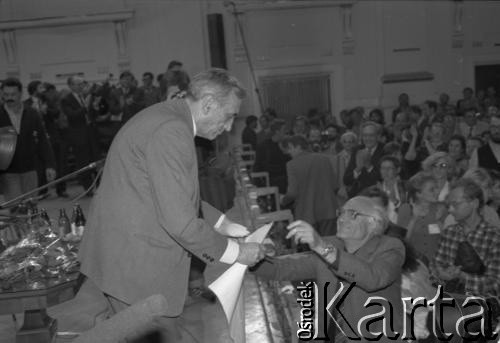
<point x="423" y="216"/>
<point x="442" y="167"/>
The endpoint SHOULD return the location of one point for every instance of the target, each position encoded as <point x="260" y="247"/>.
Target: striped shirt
<point x="485" y="240"/>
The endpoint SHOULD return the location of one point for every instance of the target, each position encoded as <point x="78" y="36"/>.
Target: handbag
<point x="468" y="259"/>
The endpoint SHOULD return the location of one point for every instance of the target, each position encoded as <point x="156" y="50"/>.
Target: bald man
<point x="359" y="254"/>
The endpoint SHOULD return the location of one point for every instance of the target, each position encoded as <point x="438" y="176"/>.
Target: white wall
<point x="158" y="32"/>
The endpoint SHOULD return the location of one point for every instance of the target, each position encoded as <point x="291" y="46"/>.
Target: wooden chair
<point x="268" y="198"/>
<point x="247" y="164"/>
<point x="277" y="234"/>
<point x="248" y="155"/>
<point x="260" y="179"/>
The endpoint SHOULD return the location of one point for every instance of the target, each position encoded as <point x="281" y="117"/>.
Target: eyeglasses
<point x="455" y="204"/>
<point x="441" y="165"/>
<point x="349" y="213"/>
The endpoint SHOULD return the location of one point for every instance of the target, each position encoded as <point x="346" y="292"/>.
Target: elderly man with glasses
<point x="478" y="271"/>
<point x="360" y="258"/>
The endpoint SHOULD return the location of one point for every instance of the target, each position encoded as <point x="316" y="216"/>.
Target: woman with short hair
<point x="423" y="215"/>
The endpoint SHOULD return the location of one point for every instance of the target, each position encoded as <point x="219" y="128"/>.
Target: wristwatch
<point x="328" y="253"/>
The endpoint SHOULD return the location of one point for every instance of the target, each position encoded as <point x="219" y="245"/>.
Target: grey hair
<point x="216" y="82"/>
<point x="372" y="210"/>
<point x="348" y="134"/>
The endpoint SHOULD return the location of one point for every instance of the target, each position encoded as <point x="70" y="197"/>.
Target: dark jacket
<point x="270" y="158"/>
<point x="32" y="141"/>
<point x="366" y="178"/>
<point x="143" y="223"/>
<point x="249" y="136"/>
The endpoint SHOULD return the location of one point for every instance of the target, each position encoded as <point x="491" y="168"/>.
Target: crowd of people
<point x="434" y="170"/>
<point x="60" y="131"/>
<point x="416" y="199"/>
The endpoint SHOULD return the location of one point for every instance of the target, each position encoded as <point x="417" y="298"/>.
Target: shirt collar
<point x="194" y="126"/>
<point x="12" y="113"/>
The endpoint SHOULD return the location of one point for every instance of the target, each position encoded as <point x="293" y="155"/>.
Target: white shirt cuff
<point x="231" y="253"/>
<point x="219" y="222"/>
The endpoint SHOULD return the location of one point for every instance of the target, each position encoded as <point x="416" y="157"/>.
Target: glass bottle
<point x="64" y="226"/>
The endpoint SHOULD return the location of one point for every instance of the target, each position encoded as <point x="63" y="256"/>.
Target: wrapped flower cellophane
<point x="37" y="261"/>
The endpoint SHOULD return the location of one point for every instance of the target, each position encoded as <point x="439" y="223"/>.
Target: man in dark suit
<point x="32" y="142"/>
<point x="35" y="90"/>
<point x="359" y="254"/>
<point x="249" y="136"/>
<point x="363" y="168"/>
<point x="127" y="99"/>
<point x="270" y="157"/>
<point x="82" y="135"/>
<point x="143" y="224"/>
<point x="488" y="156"/>
<point x="311" y="186"/>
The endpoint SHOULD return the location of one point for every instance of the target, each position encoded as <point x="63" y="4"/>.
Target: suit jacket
<point x="32" y="142"/>
<point x="117" y="103"/>
<point x="367" y="177"/>
<point x="79" y="119"/>
<point x="249" y="136"/>
<point x="143" y="223"/>
<point x="375" y="268"/>
<point x="270" y="158"/>
<point x="312" y="185"/>
<point x="49" y="119"/>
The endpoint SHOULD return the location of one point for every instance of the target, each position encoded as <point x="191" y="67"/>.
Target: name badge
<point x="434" y="229"/>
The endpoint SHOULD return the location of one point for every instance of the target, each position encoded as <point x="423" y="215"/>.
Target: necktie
<point x="470" y="131"/>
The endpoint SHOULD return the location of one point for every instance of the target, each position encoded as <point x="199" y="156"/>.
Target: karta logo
<point x="478" y="315"/>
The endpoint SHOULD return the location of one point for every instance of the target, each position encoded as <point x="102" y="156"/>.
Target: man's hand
<point x="251" y="253"/>
<point x="50" y="173"/>
<point x="360" y="159"/>
<point x="303" y="232"/>
<point x="228" y="228"/>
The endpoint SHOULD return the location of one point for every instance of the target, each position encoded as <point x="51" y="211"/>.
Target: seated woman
<point x="457" y="147"/>
<point x="423" y="216"/>
<point x="442" y="167"/>
<point x="390" y="167"/>
<point x="359" y="255"/>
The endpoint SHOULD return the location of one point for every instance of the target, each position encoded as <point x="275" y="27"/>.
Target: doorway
<point x="487" y="76"/>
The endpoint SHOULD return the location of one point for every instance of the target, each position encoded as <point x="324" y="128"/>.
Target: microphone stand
<point x="22" y="197"/>
<point x="247" y="53"/>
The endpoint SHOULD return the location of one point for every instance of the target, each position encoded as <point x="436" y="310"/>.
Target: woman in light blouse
<point x="423" y="215"/>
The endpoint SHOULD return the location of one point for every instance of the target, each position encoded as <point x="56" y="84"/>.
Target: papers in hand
<point x="228" y="286"/>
